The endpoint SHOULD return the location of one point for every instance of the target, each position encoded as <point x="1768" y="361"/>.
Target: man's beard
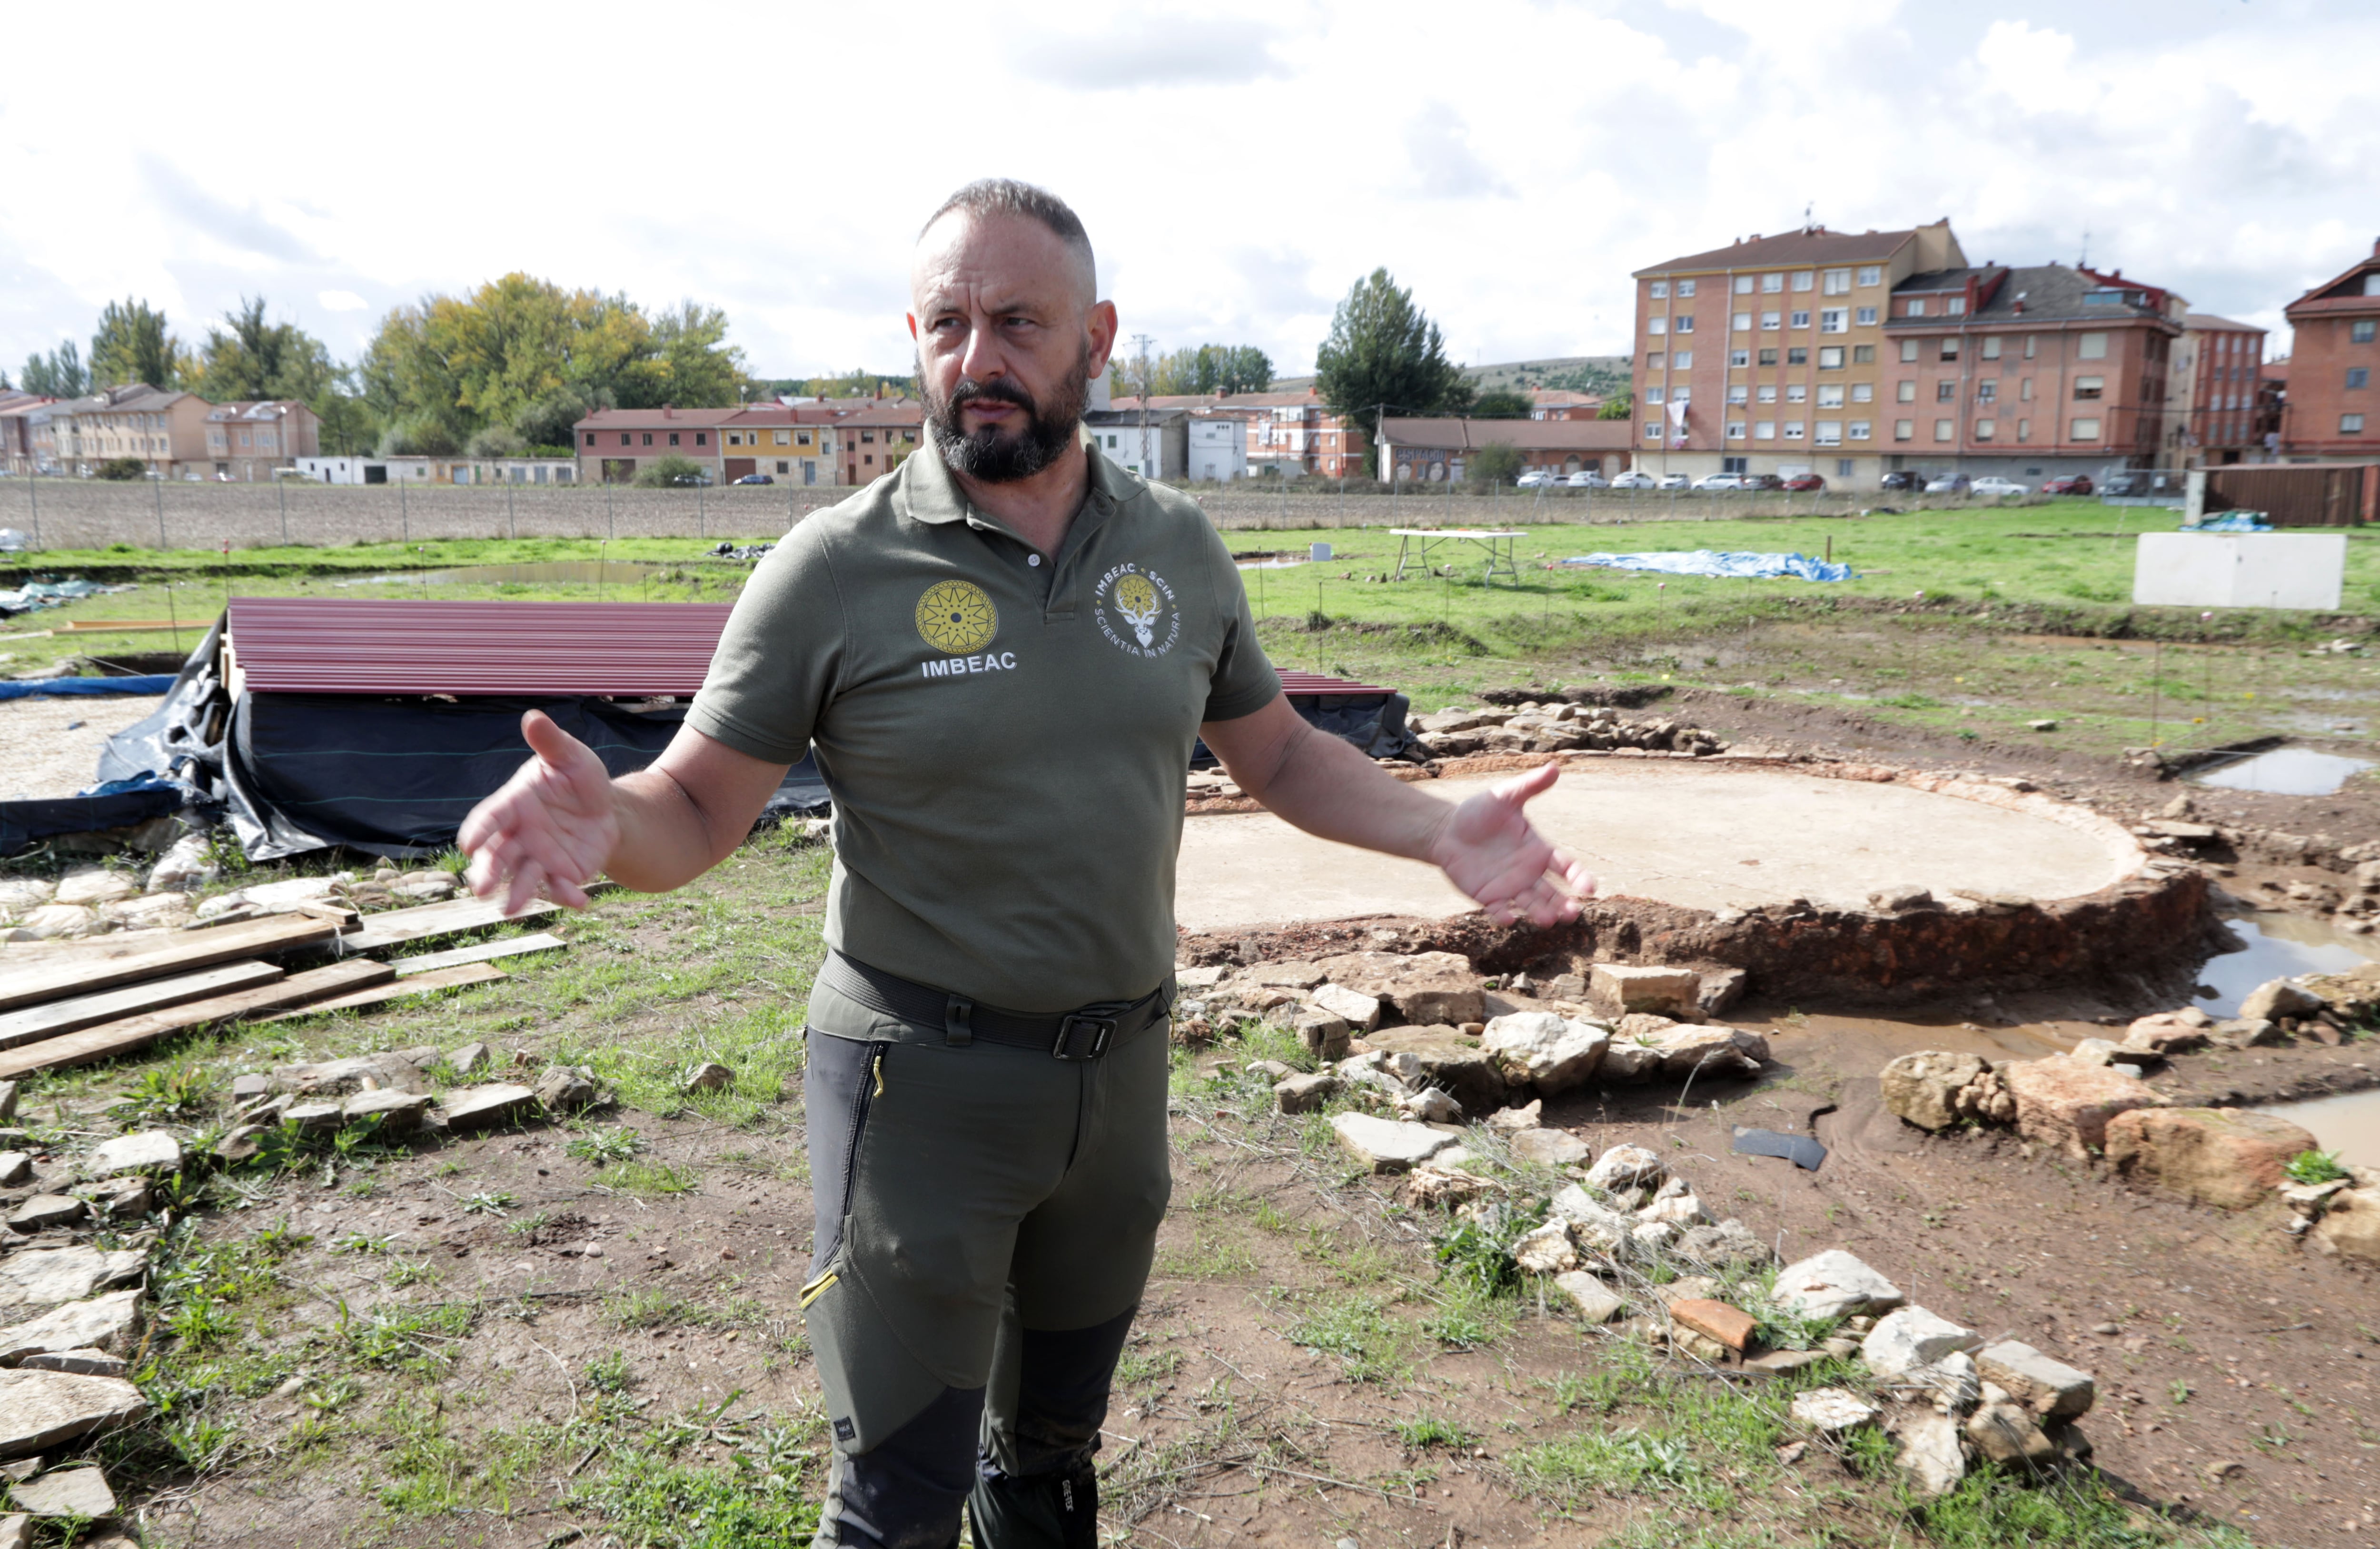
<point x="998" y="456"/>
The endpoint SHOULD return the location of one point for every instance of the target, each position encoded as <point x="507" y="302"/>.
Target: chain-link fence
<point x="95" y="514"/>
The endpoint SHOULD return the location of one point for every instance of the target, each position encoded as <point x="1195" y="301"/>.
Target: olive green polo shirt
<point x="1006" y="736"/>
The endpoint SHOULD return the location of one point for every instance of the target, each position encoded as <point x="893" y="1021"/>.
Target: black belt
<point x="1085" y="1032"/>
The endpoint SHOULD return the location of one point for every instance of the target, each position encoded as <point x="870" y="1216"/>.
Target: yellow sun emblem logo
<point x="956" y="617"/>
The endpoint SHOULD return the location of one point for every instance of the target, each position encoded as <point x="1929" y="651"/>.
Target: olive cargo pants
<point x="986" y="1219"/>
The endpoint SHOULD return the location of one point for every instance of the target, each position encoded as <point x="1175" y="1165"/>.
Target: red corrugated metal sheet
<point x="304" y="644"/>
<point x="348" y="646"/>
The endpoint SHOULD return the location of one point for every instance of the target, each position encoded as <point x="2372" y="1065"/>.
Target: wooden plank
<point x="105" y="963"/>
<point x="90" y="1011"/>
<point x="430" y="963"/>
<point x="397" y="989"/>
<point x="343" y="915"/>
<point x="395" y="926"/>
<point x="112" y="1039"/>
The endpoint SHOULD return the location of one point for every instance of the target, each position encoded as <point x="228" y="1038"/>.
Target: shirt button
<point x="1033" y="558"/>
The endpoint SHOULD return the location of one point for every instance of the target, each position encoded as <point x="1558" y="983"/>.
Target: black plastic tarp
<point x="1373" y="723"/>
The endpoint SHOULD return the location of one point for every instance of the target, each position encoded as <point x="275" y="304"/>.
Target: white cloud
<point x="341" y="301"/>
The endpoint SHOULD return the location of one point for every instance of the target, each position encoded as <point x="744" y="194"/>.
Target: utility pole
<point x="1143" y="341"/>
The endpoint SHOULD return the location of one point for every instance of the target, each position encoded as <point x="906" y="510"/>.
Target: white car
<point x="1947" y="484"/>
<point x="1720" y="482"/>
<point x="1635" y="478"/>
<point x="1535" y="478"/>
<point x="1675" y="482"/>
<point x="1996" y="485"/>
<point x="1587" y="478"/>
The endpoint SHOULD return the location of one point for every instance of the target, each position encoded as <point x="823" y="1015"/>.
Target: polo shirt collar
<point x="931" y="494"/>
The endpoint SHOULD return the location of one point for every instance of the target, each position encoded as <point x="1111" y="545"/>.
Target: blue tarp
<point x="34" y="688"/>
<point x="1711" y="561"/>
<point x="2230" y="521"/>
<point x="49" y="594"/>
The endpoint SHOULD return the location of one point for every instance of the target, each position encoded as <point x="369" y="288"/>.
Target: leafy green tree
<point x="1620" y="405"/>
<point x="120" y="468"/>
<point x="1502" y="402"/>
<point x="58" y="374"/>
<point x="133" y="345"/>
<point x="1212" y="369"/>
<point x="1499" y="461"/>
<point x="1384" y="351"/>
<point x="665" y="473"/>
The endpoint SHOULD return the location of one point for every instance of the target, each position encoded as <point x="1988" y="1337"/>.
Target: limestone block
<point x="1912" y="1336"/>
<point x="1923" y="1088"/>
<point x="1388" y="1145"/>
<point x="44" y="1276"/>
<point x="2066" y="1104"/>
<point x="566" y="1088"/>
<point x="1729" y="1244"/>
<point x="478" y="1107"/>
<point x="1627" y="1167"/>
<point x="2277" y="998"/>
<point x="2227" y="1157"/>
<point x="44" y="1211"/>
<point x="1833" y="1284"/>
<point x="149" y="1151"/>
<point x="2165" y="1032"/>
<point x="1437" y="1188"/>
<point x="1528" y="1116"/>
<point x="1597" y="1303"/>
<point x="1304" y="1094"/>
<point x="1709" y="1053"/>
<point x="1594" y="1227"/>
<point x="1552" y="1148"/>
<point x="2351" y="1227"/>
<point x="2006" y="1435"/>
<point x="40" y="1409"/>
<point x="68" y="1493"/>
<point x="2049" y="1388"/>
<point x="1443" y="1057"/>
<point x="1285" y="975"/>
<point x="1361" y="1011"/>
<point x="1423" y="988"/>
<point x="1430" y="1106"/>
<point x="398" y="1112"/>
<point x="95" y="886"/>
<point x="1621" y="988"/>
<point x="1831" y="1411"/>
<point x="99" y="1322"/>
<point x="1543" y="1050"/>
<point x="1547" y="1250"/>
<point x="1929" y="1446"/>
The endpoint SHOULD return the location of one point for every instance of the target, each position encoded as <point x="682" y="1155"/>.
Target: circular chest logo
<point x="956" y="617"/>
<point x="1136" y="611"/>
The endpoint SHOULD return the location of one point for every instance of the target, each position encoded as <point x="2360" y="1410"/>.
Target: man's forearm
<point x="665" y="838"/>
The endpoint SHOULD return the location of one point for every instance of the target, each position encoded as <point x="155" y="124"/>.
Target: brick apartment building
<point x="1557" y="402"/>
<point x="19" y="413"/>
<point x="2211" y="418"/>
<point x="874" y="441"/>
<point x="613" y="443"/>
<point x="167" y="430"/>
<point x="2332" y="408"/>
<point x="2028" y="372"/>
<point x="1290" y="434"/>
<point x="1765" y="355"/>
<point x="246" y="442"/>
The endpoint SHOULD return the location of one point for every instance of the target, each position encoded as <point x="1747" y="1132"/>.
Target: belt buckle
<point x="1090" y="1023"/>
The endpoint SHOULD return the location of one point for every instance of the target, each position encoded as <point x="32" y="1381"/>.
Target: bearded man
<point x="1002" y="654"/>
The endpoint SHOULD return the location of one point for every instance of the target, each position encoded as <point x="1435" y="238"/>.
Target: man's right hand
<point x="550" y="830"/>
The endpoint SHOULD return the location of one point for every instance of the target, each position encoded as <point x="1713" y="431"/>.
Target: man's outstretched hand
<point x="1488" y="848"/>
<point x="549" y="830"/>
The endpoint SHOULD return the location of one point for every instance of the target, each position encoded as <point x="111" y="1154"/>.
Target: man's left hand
<point x="1488" y="848"/>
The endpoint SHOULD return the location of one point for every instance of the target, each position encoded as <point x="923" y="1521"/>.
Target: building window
<point x="1863" y="392"/>
<point x="1772" y="283"/>
<point x="1916" y="307"/>
<point x="1768" y="393"/>
<point x="1838" y="283"/>
<point x="1830" y="397"/>
<point x="2087" y="388"/>
<point x="1865" y="317"/>
<point x="2360" y="331"/>
<point x="1765" y="430"/>
<point x="1653" y="393"/>
<point x="1652" y="430"/>
<point x="2359" y="376"/>
<point x="1739" y="358"/>
<point x="1950" y="350"/>
<point x="1857" y="430"/>
<point x="1956" y="307"/>
<point x="1744" y="285"/>
<point x="2024" y="390"/>
<point x="803" y="439"/>
<point x="868" y="436"/>
<point x="1904" y="430"/>
<point x="1991" y="350"/>
<point x="1983" y="429"/>
<point x="649" y="438"/>
<point x="783" y="438"/>
<point x="1685" y="322"/>
<point x="1797" y="393"/>
<point x="1735" y="430"/>
<point x="1830" y="433"/>
<point x="1685" y="360"/>
<point x="1796" y="356"/>
<point x="2085" y="430"/>
<point x="673" y="436"/>
<point x="1800" y="320"/>
<point x="1834" y="320"/>
<point x="1769" y="358"/>
<point x="2031" y="345"/>
<point x="590" y="438"/>
<point x="1986" y="391"/>
<point x="1804" y="280"/>
<point x="1742" y="321"/>
<point x="1738" y="394"/>
<point x="2351" y="424"/>
<point x="2024" y="430"/>
<point x="703" y="438"/>
<point x="1863" y="354"/>
<point x="1792" y="430"/>
<point x="1945" y="390"/>
<point x="1661" y="290"/>
<point x="1657" y="326"/>
<point x="1830" y="357"/>
<point x="2091" y="346"/>
<point x="1656" y="359"/>
<point x="1772" y="319"/>
<point x="1908" y="349"/>
<point x="1686" y="288"/>
<point x="1871" y="274"/>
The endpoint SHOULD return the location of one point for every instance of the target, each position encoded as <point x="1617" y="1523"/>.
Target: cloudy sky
<point x="1239" y="165"/>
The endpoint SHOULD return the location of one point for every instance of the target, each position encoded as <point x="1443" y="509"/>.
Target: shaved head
<point x="994" y="197"/>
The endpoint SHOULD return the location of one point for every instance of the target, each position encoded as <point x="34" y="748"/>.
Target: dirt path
<point x="51" y="747"/>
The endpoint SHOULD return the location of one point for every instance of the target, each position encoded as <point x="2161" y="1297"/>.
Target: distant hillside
<point x="1576" y="373"/>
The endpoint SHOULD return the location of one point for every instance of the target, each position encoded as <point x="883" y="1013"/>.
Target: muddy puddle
<point x="2348" y="1124"/>
<point x="2278" y="946"/>
<point x="2284" y="771"/>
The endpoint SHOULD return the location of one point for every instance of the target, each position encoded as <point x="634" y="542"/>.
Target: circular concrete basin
<point x="1699" y="835"/>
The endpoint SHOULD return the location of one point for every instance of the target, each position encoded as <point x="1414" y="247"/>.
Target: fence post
<point x="283" y="490"/>
<point x="512" y="528"/>
<point x="34" y="493"/>
<point x="404" y="517"/>
<point x="160" y="515"/>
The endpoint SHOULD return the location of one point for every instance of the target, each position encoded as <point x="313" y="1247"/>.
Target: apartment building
<point x="792" y="444"/>
<point x="19" y="413"/>
<point x="246" y="442"/>
<point x="613" y="443"/>
<point x="2332" y="409"/>
<point x="875" y="440"/>
<point x="2028" y="372"/>
<point x="1556" y="403"/>
<point x="1765" y="355"/>
<point x="2211" y="401"/>
<point x="164" y="429"/>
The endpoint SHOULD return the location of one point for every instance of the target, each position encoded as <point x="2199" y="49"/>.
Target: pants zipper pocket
<point x="865" y="1091"/>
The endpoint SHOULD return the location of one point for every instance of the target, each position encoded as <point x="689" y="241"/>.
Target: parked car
<point x="1803" y="483"/>
<point x="1763" y="481"/>
<point x="756" y="478"/>
<point x="1587" y="478"/>
<point x="1721" y="482"/>
<point x="2127" y="482"/>
<point x="1635" y="478"/>
<point x="1673" y="482"/>
<point x="2070" y="484"/>
<point x="1993" y="484"/>
<point x="1947" y="484"/>
<point x="1902" y="478"/>
<point x="1535" y="479"/>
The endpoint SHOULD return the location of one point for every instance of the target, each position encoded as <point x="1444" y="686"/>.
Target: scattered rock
<point x="1781" y="1361"/>
<point x="41" y="1276"/>
<point x="1433" y="1188"/>
<point x="249" y="1088"/>
<point x="8" y="1100"/>
<point x="1445" y="1058"/>
<point x="472" y="1058"/>
<point x="2047" y="1386"/>
<point x="1597" y="1303"/>
<point x="1831" y="1411"/>
<point x="1528" y="1116"/>
<point x="1833" y="1284"/>
<point x="1594" y="1227"/>
<point x="40" y="1409"/>
<point x="478" y="1106"/>
<point x="311" y="1117"/>
<point x="1727" y="1245"/>
<point x="567" y="1089"/>
<point x="1912" y="1336"/>
<point x="183" y="867"/>
<point x="1720" y="988"/>
<point x="708" y="1076"/>
<point x="61" y="922"/>
<point x="1359" y="1011"/>
<point x="1923" y="1088"/>
<point x="1286" y="975"/>
<point x="16" y="1170"/>
<point x="2166" y="1034"/>
<point x="44" y="1210"/>
<point x="1676" y="1205"/>
<point x="1730" y="1327"/>
<point x="124" y="1196"/>
<point x="1547" y="1250"/>
<point x="397" y="1112"/>
<point x="2067" y="1104"/>
<point x="1905" y="899"/>
<point x="1388" y="1145"/>
<point x="1553" y="1149"/>
<point x="1619" y="988"/>
<point x="95" y="886"/>
<point x="2006" y="1435"/>
<point x="2223" y="1469"/>
<point x="1710" y="1052"/>
<point x="68" y="1492"/>
<point x="2226" y="1157"/>
<point x="2277" y="998"/>
<point x="80" y="1362"/>
<point x="1952" y="1384"/>
<point x="98" y="1322"/>
<point x="1304" y="1094"/>
<point x="1929" y="1446"/>
<point x="1627" y="1167"/>
<point x="400" y="1070"/>
<point x="1424" y="988"/>
<point x="1324" y="1033"/>
<point x="1430" y="1106"/>
<point x="149" y="1151"/>
<point x="2351" y="1227"/>
<point x="17" y="1532"/>
<point x="1541" y="1049"/>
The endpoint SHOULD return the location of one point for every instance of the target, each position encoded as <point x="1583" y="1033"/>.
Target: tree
<point x="1620" y="405"/>
<point x="58" y="374"/>
<point x="120" y="468"/>
<point x="133" y="345"/>
<point x="1383" y="351"/>
<point x="670" y="472"/>
<point x="1499" y="461"/>
<point x="1213" y="369"/>
<point x="1502" y="402"/>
